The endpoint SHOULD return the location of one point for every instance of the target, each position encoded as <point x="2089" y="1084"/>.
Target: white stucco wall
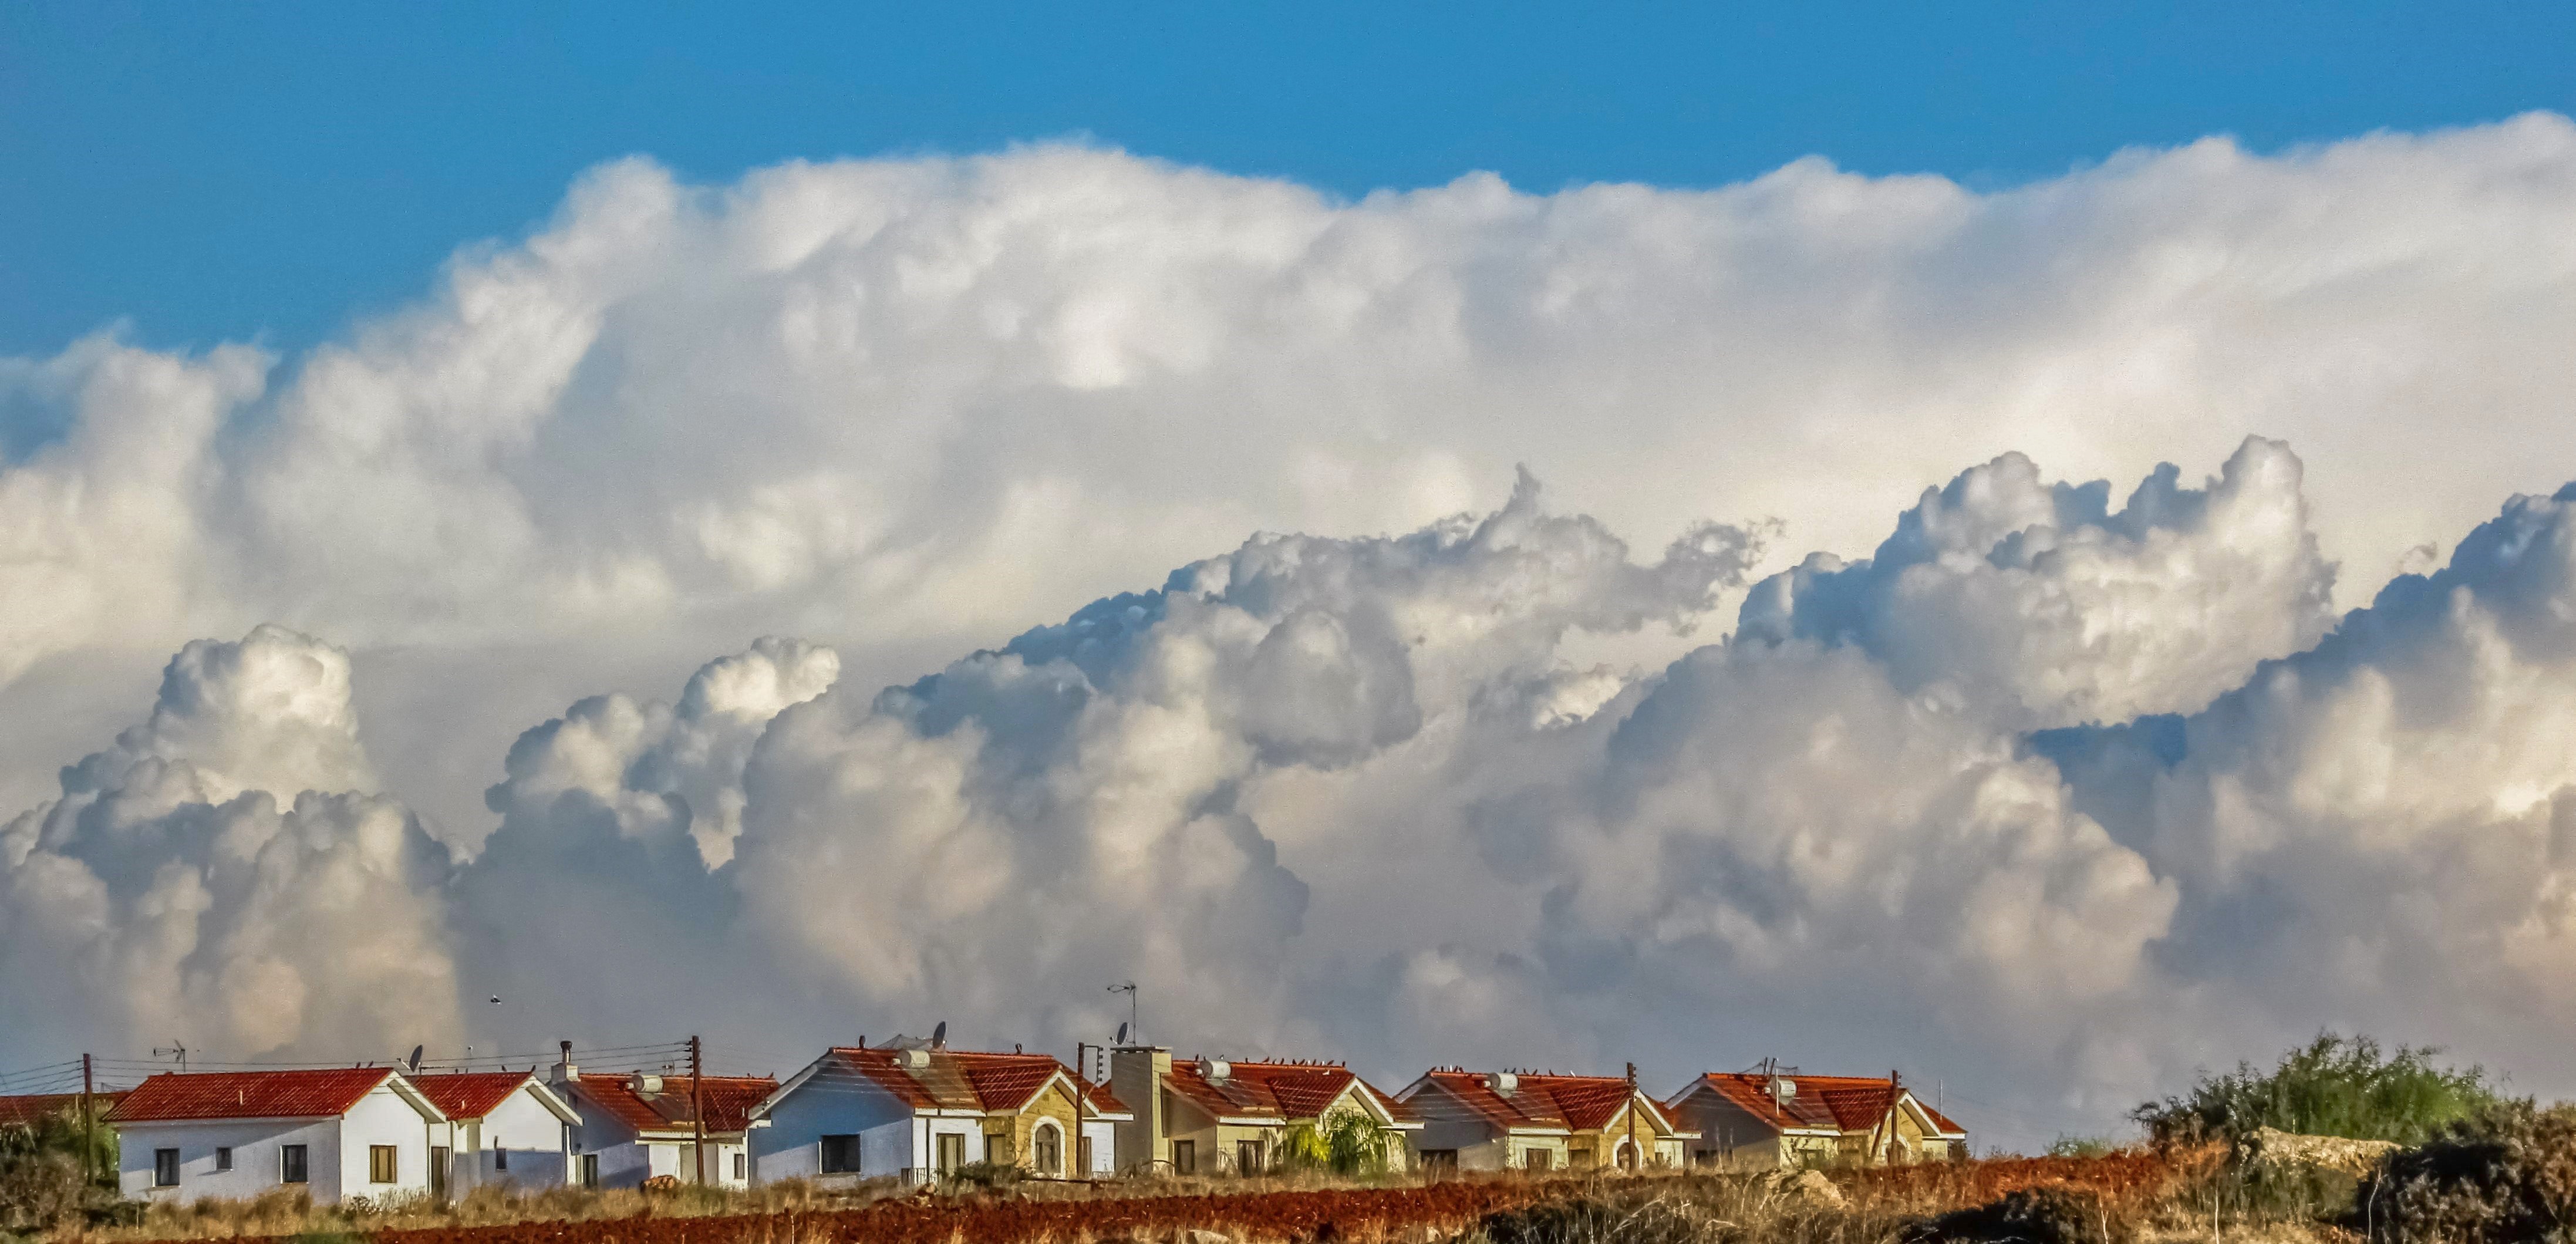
<point x="382" y="1117"/>
<point x="539" y="1143"/>
<point x="1104" y="1148"/>
<point x="791" y="1147"/>
<point x="256" y="1161"/>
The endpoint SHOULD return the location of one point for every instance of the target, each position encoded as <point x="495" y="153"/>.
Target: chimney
<point x="1136" y="1078"/>
<point x="565" y="1072"/>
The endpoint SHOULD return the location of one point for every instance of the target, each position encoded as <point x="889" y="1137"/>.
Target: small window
<point x="840" y="1155"/>
<point x="1435" y="1160"/>
<point x="997" y="1148"/>
<point x="1247" y="1157"/>
<point x="165" y="1168"/>
<point x="1538" y="1159"/>
<point x="741" y="1167"/>
<point x="500" y="1155"/>
<point x="291" y="1168"/>
<point x="1046" y="1150"/>
<point x="223" y="1157"/>
<point x="381" y="1165"/>
<point x="1185" y="1157"/>
<point x="590" y="1170"/>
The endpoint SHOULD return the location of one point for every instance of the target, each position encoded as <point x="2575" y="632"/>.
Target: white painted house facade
<point x="504" y="1129"/>
<point x="334" y="1134"/>
<point x="636" y="1126"/>
<point x="916" y="1114"/>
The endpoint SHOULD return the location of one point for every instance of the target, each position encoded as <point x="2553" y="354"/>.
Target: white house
<point x="504" y="1129"/>
<point x="1521" y="1120"/>
<point x="335" y="1133"/>
<point x="913" y="1113"/>
<point x="637" y="1125"/>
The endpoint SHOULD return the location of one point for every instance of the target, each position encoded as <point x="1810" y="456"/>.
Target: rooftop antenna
<point x="177" y="1051"/>
<point x="1122" y="1035"/>
<point x="1128" y="989"/>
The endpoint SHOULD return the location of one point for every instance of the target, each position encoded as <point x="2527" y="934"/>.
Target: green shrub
<point x="1347" y="1142"/>
<point x="2083" y="1147"/>
<point x="2509" y="1174"/>
<point x="986" y="1175"/>
<point x="2333" y="1086"/>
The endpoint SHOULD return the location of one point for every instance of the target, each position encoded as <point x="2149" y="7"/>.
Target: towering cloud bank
<point x="1352" y="794"/>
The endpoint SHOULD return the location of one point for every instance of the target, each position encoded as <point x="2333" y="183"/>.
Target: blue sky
<point x="235" y="170"/>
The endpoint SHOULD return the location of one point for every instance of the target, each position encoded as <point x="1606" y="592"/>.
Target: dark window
<point x="500" y="1155"/>
<point x="590" y="1170"/>
<point x="1538" y="1159"/>
<point x="742" y="1167"/>
<point x="1185" y="1157"/>
<point x="381" y="1164"/>
<point x="1046" y="1150"/>
<point x="290" y="1165"/>
<point x="165" y="1168"/>
<point x="952" y="1152"/>
<point x="840" y="1155"/>
<point x="1435" y="1160"/>
<point x="1247" y="1157"/>
<point x="223" y="1157"/>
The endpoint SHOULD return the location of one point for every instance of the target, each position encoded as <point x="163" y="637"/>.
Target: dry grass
<point x="2143" y="1198"/>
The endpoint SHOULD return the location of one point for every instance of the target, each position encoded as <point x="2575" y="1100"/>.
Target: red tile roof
<point x="28" y="1109"/>
<point x="248" y="1094"/>
<point x="470" y="1094"/>
<point x="962" y="1079"/>
<point x="729" y="1100"/>
<point x="1287" y="1091"/>
<point x="1826" y="1103"/>
<point x="1574" y="1103"/>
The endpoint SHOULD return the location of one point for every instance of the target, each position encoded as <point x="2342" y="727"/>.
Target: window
<point x="291" y="1168"/>
<point x="223" y="1157"/>
<point x="1537" y="1159"/>
<point x="381" y="1167"/>
<point x="952" y="1152"/>
<point x="1185" y="1157"/>
<point x="165" y="1168"/>
<point x="590" y="1170"/>
<point x="741" y="1167"/>
<point x="1626" y="1155"/>
<point x="1046" y="1150"/>
<point x="500" y="1155"/>
<point x="1247" y="1157"/>
<point x="840" y="1155"/>
<point x="1438" y="1160"/>
<point x="997" y="1148"/>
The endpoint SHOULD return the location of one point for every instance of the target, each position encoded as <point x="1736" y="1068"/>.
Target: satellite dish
<point x="939" y="1036"/>
<point x="496" y="999"/>
<point x="1122" y="1034"/>
<point x="413" y="1063"/>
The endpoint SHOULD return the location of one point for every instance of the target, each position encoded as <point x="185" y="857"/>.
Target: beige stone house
<point x="1752" y="1119"/>
<point x="1507" y="1120"/>
<point x="1217" y="1116"/>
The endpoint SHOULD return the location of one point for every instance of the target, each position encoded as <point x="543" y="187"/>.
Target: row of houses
<point x="916" y="1111"/>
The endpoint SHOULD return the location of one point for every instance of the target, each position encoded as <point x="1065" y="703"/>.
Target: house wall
<point x="1104" y="1147"/>
<point x="256" y="1161"/>
<point x="382" y="1117"/>
<point x="791" y="1147"/>
<point x="540" y="1146"/>
<point x="1733" y="1138"/>
<point x="1136" y="1079"/>
<point x="1056" y="1105"/>
<point x="624" y="1161"/>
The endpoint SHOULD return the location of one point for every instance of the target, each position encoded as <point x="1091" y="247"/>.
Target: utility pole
<point x="89" y="1126"/>
<point x="1634" y="1154"/>
<point x="698" y="1108"/>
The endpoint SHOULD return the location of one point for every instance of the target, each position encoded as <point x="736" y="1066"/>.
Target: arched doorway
<point x="1046" y="1149"/>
